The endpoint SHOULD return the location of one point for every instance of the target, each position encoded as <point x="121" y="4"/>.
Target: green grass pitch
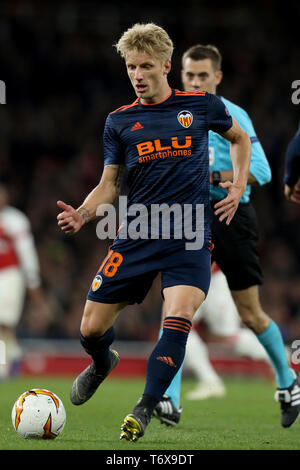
<point x="246" y="419"/>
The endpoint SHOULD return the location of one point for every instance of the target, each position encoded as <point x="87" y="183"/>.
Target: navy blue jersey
<point x="292" y="163"/>
<point x="165" y="148"/>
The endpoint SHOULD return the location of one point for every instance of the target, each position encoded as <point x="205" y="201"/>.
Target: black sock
<point x="98" y="348"/>
<point x="148" y="402"/>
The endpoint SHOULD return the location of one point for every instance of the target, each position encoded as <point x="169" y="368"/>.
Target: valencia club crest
<point x="185" y="118"/>
<point x="96" y="282"/>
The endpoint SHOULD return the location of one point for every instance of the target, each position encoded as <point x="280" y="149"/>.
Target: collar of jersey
<point x="159" y="102"/>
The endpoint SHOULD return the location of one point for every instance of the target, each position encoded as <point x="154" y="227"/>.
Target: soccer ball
<point x="38" y="413"/>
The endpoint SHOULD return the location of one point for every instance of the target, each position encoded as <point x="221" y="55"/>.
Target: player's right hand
<point x="292" y="193"/>
<point x="226" y="208"/>
<point x="70" y="221"/>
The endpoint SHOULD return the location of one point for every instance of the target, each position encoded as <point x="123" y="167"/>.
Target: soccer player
<point x="292" y="169"/>
<point x="19" y="274"/>
<point x="235" y="247"/>
<point x="162" y="139"/>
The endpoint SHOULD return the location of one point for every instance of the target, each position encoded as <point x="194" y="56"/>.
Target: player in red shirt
<point x="19" y="273"/>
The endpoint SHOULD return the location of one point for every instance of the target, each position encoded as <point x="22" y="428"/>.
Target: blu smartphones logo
<point x="2" y="92"/>
<point x="296" y="93"/>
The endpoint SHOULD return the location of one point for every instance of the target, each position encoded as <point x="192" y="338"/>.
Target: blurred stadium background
<point x="62" y="78"/>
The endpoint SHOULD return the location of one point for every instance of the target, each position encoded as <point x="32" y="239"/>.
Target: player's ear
<point x="219" y="77"/>
<point x="167" y="67"/>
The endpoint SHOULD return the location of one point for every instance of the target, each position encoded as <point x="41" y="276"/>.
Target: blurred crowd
<point x="63" y="76"/>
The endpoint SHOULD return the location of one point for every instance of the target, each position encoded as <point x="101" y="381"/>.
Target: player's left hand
<point x="228" y="206"/>
<point x="292" y="193"/>
<point x="70" y="221"/>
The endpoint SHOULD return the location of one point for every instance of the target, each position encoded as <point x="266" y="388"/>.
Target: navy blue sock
<point x="167" y="356"/>
<point x="98" y="348"/>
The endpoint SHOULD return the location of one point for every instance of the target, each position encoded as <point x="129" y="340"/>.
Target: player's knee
<point x="96" y="319"/>
<point x="251" y="315"/>
<point x="245" y="309"/>
<point x="90" y="328"/>
<point x="88" y="332"/>
<point x="249" y="321"/>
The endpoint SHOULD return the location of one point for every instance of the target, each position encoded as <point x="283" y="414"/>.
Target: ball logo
<point x="97" y="282"/>
<point x="35" y="392"/>
<point x="38" y="413"/>
<point x="185" y="118"/>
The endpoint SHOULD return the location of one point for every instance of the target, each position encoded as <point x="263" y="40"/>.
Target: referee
<point x="235" y="245"/>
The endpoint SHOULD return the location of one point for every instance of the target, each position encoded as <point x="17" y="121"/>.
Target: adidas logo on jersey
<point x="137" y="126"/>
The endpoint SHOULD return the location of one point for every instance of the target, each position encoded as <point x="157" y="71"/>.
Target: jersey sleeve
<point x="259" y="165"/>
<point x="113" y="152"/>
<point x="292" y="161"/>
<point x="19" y="228"/>
<point x="28" y="257"/>
<point x="218" y="117"/>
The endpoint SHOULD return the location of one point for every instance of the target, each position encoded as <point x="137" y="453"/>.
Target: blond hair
<point x="148" y="38"/>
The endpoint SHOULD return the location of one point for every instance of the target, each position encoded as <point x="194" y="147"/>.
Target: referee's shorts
<point x="236" y="248"/>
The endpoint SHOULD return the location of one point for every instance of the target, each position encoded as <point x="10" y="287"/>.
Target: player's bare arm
<point x="70" y="220"/>
<point x="240" y="152"/>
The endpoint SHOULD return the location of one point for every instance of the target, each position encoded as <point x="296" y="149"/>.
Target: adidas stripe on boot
<point x="289" y="399"/>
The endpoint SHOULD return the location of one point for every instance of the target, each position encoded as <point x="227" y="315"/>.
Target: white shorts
<point x="218" y="309"/>
<point x="12" y="293"/>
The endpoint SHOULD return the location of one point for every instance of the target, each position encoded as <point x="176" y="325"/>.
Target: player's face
<point x="200" y="75"/>
<point x="148" y="76"/>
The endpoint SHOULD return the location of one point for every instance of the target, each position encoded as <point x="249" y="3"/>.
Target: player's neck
<point x="160" y="96"/>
